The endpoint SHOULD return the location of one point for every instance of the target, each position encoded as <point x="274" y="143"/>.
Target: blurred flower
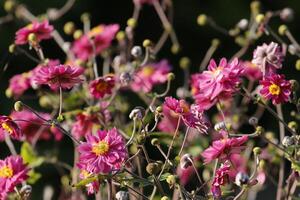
<point x="63" y="76"/>
<point x="150" y="75"/>
<point x="92" y="187"/>
<point x="19" y="83"/>
<point x="41" y="30"/>
<point x="169" y="121"/>
<point x="224" y="148"/>
<point x="12" y="172"/>
<point x="268" y="57"/>
<point x="103" y="152"/>
<point x="102" y="86"/>
<point x="276" y="88"/>
<point x="32" y="126"/>
<point x="99" y="38"/>
<point x="218" y="83"/>
<point x="221" y="178"/>
<point x="7" y="125"/>
<point x="251" y="71"/>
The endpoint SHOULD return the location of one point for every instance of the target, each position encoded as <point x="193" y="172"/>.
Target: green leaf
<point x="30" y="156"/>
<point x="33" y="177"/>
<point x="88" y="180"/>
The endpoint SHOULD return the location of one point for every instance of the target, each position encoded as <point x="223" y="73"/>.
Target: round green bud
<point x="12" y="48"/>
<point x="77" y="34"/>
<point x="165" y="198"/>
<point x="269" y="135"/>
<point x="184" y="62"/>
<point x="140" y="139"/>
<point x="159" y="109"/>
<point x="18" y="106"/>
<point x="293" y="125"/>
<point x="171" y="179"/>
<point x="69" y="28"/>
<point x="259" y="130"/>
<point x="298" y="65"/>
<point x="255" y="7"/>
<point x="60" y="118"/>
<point x="8" y="93"/>
<point x="215" y="42"/>
<point x="32" y="38"/>
<point x="171" y="76"/>
<point x="257" y="150"/>
<point x="147" y="43"/>
<point x="282" y="29"/>
<point x="152" y="168"/>
<point x="202" y="20"/>
<point x="45" y="102"/>
<point x="155" y="142"/>
<point x="85" y="17"/>
<point x="259" y="18"/>
<point x="120" y="36"/>
<point x="175" y="48"/>
<point x="294" y="85"/>
<point x="9" y="5"/>
<point x="131" y="22"/>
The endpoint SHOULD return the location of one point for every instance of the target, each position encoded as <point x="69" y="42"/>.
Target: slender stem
<point x="164" y="155"/>
<point x="184" y="141"/>
<point x="240" y="194"/>
<point x="196" y="171"/>
<point x="60" y="101"/>
<point x="207" y="57"/>
<point x="133" y="133"/>
<point x="109" y="189"/>
<point x="10" y="145"/>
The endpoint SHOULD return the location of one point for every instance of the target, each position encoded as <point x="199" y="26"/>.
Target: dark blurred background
<point x="194" y="42"/>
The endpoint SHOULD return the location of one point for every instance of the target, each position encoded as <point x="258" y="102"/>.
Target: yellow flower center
<point x="184" y="107"/>
<point x="101" y="86"/>
<point x="100" y="148"/>
<point x="85" y="174"/>
<point x="148" y="70"/>
<point x="29" y="26"/>
<point x="274" y="89"/>
<point x="6" y="172"/>
<point x="96" y="31"/>
<point x="6" y="127"/>
<point x="217" y="71"/>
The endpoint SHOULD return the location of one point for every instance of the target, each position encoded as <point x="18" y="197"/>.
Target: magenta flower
<point x="192" y="116"/>
<point x="12" y="172"/>
<point x="19" y="83"/>
<point x="276" y="88"/>
<point x="32" y="126"/>
<point x="102" y="86"/>
<point x="89" y="123"/>
<point x="150" y="75"/>
<point x="101" y="37"/>
<point x="268" y="57"/>
<point x="218" y="83"/>
<point x="223" y="148"/>
<point x="7" y="125"/>
<point x="103" y="152"/>
<point x="169" y="121"/>
<point x="220" y="179"/>
<point x="42" y="31"/>
<point x="63" y="76"/>
<point x="252" y="71"/>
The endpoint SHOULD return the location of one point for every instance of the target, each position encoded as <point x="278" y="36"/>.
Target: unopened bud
<point x="159" y="109"/>
<point x="60" y="118"/>
<point x="241" y="179"/>
<point x="136" y="51"/>
<point x="257" y="150"/>
<point x="185" y="161"/>
<point x="155" y="142"/>
<point x="9" y="5"/>
<point x="171" y="76"/>
<point x="255" y="7"/>
<point x="287" y="14"/>
<point x="202" y="20"/>
<point x="122" y="195"/>
<point x="77" y="34"/>
<point x="8" y="93"/>
<point x="259" y="18"/>
<point x="165" y="198"/>
<point x="12" y="48"/>
<point x="120" y="36"/>
<point x="171" y="180"/>
<point x="147" y="43"/>
<point x="215" y="42"/>
<point x="152" y="168"/>
<point x="259" y="130"/>
<point x="293" y="125"/>
<point x="69" y="28"/>
<point x="85" y="17"/>
<point x="175" y="48"/>
<point x="253" y="121"/>
<point x="18" y="106"/>
<point x="131" y="22"/>
<point x="298" y="64"/>
<point x="184" y="63"/>
<point x="282" y="29"/>
<point x="137" y="113"/>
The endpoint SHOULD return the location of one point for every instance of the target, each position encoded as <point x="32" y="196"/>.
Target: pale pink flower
<point x="252" y="71"/>
<point x="102" y="86"/>
<point x="150" y="75"/>
<point x="42" y="31"/>
<point x="218" y="83"/>
<point x="13" y="171"/>
<point x="103" y="152"/>
<point x="63" y="76"/>
<point x="100" y="37"/>
<point x="276" y="88"/>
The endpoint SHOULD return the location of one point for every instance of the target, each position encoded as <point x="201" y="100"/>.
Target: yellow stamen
<point x="274" y="89"/>
<point x="217" y="71"/>
<point x="101" y="86"/>
<point x="96" y="31"/>
<point x="148" y="70"/>
<point x="6" y="127"/>
<point x="6" y="172"/>
<point x="100" y="148"/>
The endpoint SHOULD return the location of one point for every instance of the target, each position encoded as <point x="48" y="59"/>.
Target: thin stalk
<point x="184" y="141"/>
<point x="60" y="101"/>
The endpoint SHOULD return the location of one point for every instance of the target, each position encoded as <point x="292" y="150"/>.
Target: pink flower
<point x="42" y="31"/>
<point x="19" y="83"/>
<point x="218" y="83"/>
<point x="276" y="88"/>
<point x="268" y="57"/>
<point x="63" y="76"/>
<point x="103" y="152"/>
<point x="100" y="36"/>
<point x="7" y="125"/>
<point x="12" y="172"/>
<point x="221" y="178"/>
<point x="88" y="123"/>
<point x="223" y="148"/>
<point x="102" y="86"/>
<point x="169" y="121"/>
<point x="92" y="187"/>
<point x="150" y="75"/>
<point x="192" y="116"/>
<point x="252" y="71"/>
<point x="32" y="126"/>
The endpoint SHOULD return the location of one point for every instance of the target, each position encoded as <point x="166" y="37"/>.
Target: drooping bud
<point x="242" y="24"/>
<point x="259" y="18"/>
<point x="125" y="78"/>
<point x="152" y="168"/>
<point x="136" y="51"/>
<point x="131" y="22"/>
<point x="137" y="113"/>
<point x="155" y="142"/>
<point x="288" y="141"/>
<point x="171" y="76"/>
<point x="147" y="43"/>
<point x="171" y="180"/>
<point x="122" y="195"/>
<point x="185" y="161"/>
<point x="202" y="20"/>
<point x="287" y="14"/>
<point x="241" y="179"/>
<point x="257" y="150"/>
<point x="77" y="34"/>
<point x="282" y="29"/>
<point x="253" y="121"/>
<point x="69" y="28"/>
<point x="165" y="198"/>
<point x="18" y="106"/>
<point x="184" y="62"/>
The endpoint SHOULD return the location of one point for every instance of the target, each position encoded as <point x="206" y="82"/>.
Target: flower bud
<point x="9" y="5"/>
<point x="152" y="168"/>
<point x="294" y="85"/>
<point x="185" y="161"/>
<point x="141" y="139"/>
<point x="131" y="22"/>
<point x="137" y="113"/>
<point x="288" y="141"/>
<point x="259" y="130"/>
<point x="286" y="14"/>
<point x="165" y="198"/>
<point x="171" y="180"/>
<point x="155" y="142"/>
<point x="120" y="36"/>
<point x="125" y="78"/>
<point x="241" y="179"/>
<point x="85" y="17"/>
<point x="184" y="62"/>
<point x="69" y="28"/>
<point x="298" y="64"/>
<point x="171" y="76"/>
<point x="202" y="20"/>
<point x="259" y="18"/>
<point x="242" y="24"/>
<point x="136" y="51"/>
<point x="282" y="29"/>
<point x="8" y="93"/>
<point x="147" y="43"/>
<point x="60" y="118"/>
<point x="175" y="48"/>
<point x="253" y="121"/>
<point x="25" y="191"/>
<point x="257" y="150"/>
<point x="255" y="7"/>
<point x="77" y="34"/>
<point x="122" y="195"/>
<point x="215" y="42"/>
<point x="293" y="125"/>
<point x="12" y="48"/>
<point x="159" y="109"/>
<point x="18" y="106"/>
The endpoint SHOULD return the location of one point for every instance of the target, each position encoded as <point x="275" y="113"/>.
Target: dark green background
<point x="194" y="41"/>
